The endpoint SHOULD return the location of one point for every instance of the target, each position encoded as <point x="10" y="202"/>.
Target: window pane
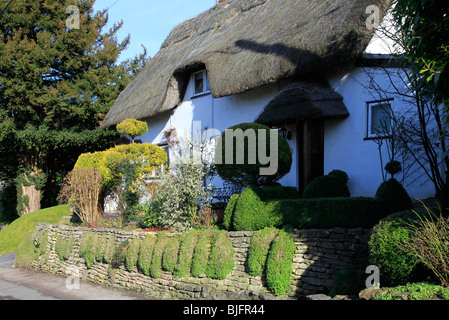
<point x="199" y="83"/>
<point x="380" y="119"/>
<point x="207" y="82"/>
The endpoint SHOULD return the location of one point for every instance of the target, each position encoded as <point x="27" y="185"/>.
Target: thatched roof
<point x="246" y="44"/>
<point x="303" y="100"/>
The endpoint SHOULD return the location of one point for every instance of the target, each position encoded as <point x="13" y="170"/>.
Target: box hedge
<point x="252" y="210"/>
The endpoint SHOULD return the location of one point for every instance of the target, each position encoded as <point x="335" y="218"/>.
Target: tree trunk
<point x="31" y="199"/>
<point x="29" y="187"/>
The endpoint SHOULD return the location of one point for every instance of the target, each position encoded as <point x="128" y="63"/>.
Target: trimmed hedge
<point x="280" y="263"/>
<point x="63" y="247"/>
<point x="258" y="250"/>
<point x="132" y="254"/>
<point x="146" y="253"/>
<point x="185" y="254"/>
<point x="221" y="258"/>
<point x="333" y="185"/>
<point x="249" y="211"/>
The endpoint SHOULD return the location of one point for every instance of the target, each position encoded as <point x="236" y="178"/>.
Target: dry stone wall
<point x="320" y="256"/>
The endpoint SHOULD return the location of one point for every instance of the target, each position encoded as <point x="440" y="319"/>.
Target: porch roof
<point x="304" y="100"/>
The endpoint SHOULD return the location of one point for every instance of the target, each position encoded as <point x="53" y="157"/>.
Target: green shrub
<point x="201" y="253"/>
<point x="250" y="212"/>
<point x="132" y="254"/>
<point x="132" y="128"/>
<point x="186" y="248"/>
<point x="27" y="251"/>
<point x="101" y="248"/>
<point x="146" y="253"/>
<point x="43" y="243"/>
<point x="280" y="263"/>
<point x="221" y="258"/>
<point x="333" y="185"/>
<point x="170" y="255"/>
<point x="258" y="250"/>
<point x="395" y="194"/>
<point x="395" y="264"/>
<point x="156" y="260"/>
<point x="246" y="173"/>
<point x="331" y="212"/>
<point x="109" y="250"/>
<point x="279" y="192"/>
<point x="228" y="219"/>
<point x="339" y="174"/>
<point x="63" y="247"/>
<point x="345" y="283"/>
<point x="119" y="256"/>
<point x="88" y="248"/>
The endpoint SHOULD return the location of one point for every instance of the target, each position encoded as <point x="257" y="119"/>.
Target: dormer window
<point x="201" y="83"/>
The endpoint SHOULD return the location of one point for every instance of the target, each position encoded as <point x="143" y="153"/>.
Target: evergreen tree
<point x="59" y="76"/>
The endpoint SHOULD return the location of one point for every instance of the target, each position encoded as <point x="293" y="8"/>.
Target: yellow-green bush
<point x="132" y="128"/>
<point x="148" y="157"/>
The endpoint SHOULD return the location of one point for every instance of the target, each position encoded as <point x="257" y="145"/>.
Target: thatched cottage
<point x="296" y="65"/>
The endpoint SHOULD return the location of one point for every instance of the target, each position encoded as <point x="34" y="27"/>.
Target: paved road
<point x="19" y="284"/>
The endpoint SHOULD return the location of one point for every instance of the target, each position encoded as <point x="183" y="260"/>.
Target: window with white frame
<point x="379" y="118"/>
<point x="201" y="81"/>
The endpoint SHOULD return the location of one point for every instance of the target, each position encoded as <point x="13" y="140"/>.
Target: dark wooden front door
<point x="310" y="151"/>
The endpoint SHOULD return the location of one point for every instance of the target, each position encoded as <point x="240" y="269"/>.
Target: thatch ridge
<point x="246" y="44"/>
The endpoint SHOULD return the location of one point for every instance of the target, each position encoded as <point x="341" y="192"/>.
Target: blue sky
<point x="149" y="21"/>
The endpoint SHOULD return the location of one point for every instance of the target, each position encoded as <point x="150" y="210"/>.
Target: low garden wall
<point x="323" y="259"/>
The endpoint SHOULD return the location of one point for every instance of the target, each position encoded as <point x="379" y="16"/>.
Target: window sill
<point x="376" y="138"/>
<point x="200" y="95"/>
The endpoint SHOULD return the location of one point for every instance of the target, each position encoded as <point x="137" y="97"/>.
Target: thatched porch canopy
<point x="246" y="44"/>
<point x="303" y="100"/>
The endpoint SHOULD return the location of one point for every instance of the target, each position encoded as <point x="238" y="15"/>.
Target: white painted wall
<point x="345" y="145"/>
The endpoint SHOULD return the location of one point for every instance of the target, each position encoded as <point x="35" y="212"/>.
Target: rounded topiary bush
<point x="248" y="172"/>
<point x="395" y="195"/>
<point x="250" y="212"/>
<point x="333" y="185"/>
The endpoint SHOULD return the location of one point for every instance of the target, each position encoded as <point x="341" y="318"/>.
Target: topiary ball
<point x="248" y="173"/>
<point x="251" y="212"/>
<point x="395" y="195"/>
<point x="339" y="174"/>
<point x="329" y="186"/>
